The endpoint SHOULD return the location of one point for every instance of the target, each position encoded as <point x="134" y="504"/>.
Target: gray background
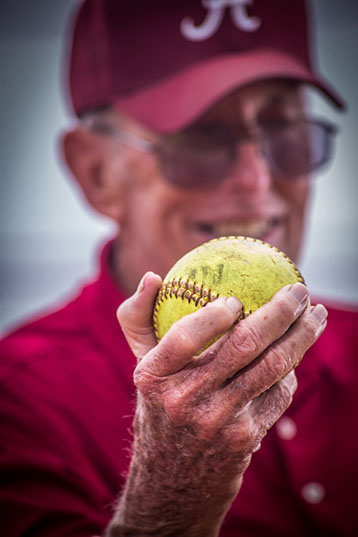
<point x="49" y="237"/>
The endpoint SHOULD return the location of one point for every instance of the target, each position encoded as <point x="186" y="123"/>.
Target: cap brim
<point x="179" y="100"/>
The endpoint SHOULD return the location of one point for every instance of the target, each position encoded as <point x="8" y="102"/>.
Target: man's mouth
<point x="257" y="228"/>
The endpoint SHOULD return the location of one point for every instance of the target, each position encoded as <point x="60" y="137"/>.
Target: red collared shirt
<point x="67" y="402"/>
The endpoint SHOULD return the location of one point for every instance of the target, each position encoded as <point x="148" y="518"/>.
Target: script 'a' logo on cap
<point x="214" y="17"/>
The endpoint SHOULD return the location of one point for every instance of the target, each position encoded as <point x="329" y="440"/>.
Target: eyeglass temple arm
<point x="120" y="135"/>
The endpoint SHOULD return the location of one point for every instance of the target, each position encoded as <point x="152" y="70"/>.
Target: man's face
<point x="161" y="222"/>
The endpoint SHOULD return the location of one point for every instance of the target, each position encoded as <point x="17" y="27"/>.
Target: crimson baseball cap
<point x="164" y="62"/>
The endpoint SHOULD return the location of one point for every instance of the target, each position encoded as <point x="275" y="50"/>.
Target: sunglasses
<point x="204" y="156"/>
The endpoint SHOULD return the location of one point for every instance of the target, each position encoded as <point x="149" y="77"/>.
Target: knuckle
<point x="283" y="391"/>
<point x="182" y="337"/>
<point x="246" y="339"/>
<point x="286" y="308"/>
<point x="140" y="379"/>
<point x="309" y="329"/>
<point x="176" y="404"/>
<point x="312" y="327"/>
<point x="276" y="400"/>
<point x="278" y="359"/>
<point x="208" y="424"/>
<point x="145" y="381"/>
<point x="286" y="391"/>
<point x="247" y="432"/>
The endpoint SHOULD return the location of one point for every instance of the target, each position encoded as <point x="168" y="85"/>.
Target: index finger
<point x="189" y="335"/>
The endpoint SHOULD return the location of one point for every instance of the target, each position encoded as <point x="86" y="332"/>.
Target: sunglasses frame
<point x="140" y="143"/>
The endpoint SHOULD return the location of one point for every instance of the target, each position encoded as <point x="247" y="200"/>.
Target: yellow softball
<point x="249" y="269"/>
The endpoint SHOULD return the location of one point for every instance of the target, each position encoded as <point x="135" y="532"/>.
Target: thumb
<point x="135" y="315"/>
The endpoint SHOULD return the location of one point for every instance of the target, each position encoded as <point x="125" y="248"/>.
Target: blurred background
<point x="49" y="238"/>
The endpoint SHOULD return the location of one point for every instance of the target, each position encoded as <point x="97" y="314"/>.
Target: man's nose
<point x="250" y="172"/>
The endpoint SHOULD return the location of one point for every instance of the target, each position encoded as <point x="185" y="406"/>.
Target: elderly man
<point x="192" y="124"/>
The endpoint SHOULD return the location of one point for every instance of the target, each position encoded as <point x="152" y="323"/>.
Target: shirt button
<point x="286" y="428"/>
<point x="313" y="492"/>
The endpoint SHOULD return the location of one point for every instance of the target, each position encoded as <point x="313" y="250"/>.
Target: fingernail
<point x="140" y="285"/>
<point x="320" y="313"/>
<point x="257" y="447"/>
<point x="234" y="304"/>
<point x="299" y="292"/>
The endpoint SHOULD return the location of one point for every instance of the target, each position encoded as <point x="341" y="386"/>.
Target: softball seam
<point x="192" y="291"/>
<point x="186" y="290"/>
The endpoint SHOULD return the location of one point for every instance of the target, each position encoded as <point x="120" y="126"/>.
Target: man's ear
<point x="88" y="157"/>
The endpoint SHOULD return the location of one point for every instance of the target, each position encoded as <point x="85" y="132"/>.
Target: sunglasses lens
<point x="195" y="168"/>
<point x="291" y="148"/>
<point x="297" y="148"/>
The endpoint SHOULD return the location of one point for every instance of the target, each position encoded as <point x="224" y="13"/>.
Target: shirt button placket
<point x="313" y="492"/>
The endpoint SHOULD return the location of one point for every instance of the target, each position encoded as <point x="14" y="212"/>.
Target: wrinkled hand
<point x="200" y="418"/>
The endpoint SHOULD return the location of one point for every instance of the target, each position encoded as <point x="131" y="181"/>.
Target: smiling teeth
<point x="252" y="228"/>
